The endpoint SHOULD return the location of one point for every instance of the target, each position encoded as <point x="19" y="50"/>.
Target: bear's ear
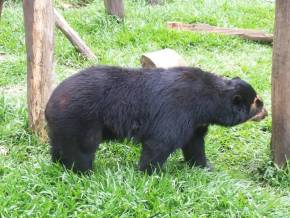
<point x="237" y="100"/>
<point x="236" y="78"/>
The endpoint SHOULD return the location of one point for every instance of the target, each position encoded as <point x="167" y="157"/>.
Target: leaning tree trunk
<point x="73" y="37"/>
<point x="281" y="84"/>
<point x="39" y="36"/>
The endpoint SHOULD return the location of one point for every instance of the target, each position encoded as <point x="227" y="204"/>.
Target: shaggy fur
<point x="164" y="109"/>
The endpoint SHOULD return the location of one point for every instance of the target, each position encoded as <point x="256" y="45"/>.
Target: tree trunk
<point x="39" y="36"/>
<point x="1" y="7"/>
<point x="115" y="8"/>
<point x="280" y="142"/>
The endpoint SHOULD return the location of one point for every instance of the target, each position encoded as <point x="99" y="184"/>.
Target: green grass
<point x="244" y="183"/>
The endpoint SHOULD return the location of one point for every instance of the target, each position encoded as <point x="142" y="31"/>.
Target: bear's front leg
<point x="153" y="156"/>
<point x="194" y="151"/>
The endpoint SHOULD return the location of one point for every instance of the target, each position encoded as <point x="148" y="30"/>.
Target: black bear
<point x="164" y="109"/>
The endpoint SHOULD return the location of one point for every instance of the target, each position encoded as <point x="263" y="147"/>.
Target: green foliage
<point x="273" y="175"/>
<point x="245" y="183"/>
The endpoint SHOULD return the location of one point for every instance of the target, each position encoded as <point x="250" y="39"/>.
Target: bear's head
<point x="243" y="104"/>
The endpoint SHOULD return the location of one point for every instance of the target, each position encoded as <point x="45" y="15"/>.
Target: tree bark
<point x="280" y="142"/>
<point x="1" y="7"/>
<point x="115" y="8"/>
<point x="73" y="37"/>
<point x="39" y="36"/>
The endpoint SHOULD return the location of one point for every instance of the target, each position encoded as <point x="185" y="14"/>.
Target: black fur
<point x="164" y="109"/>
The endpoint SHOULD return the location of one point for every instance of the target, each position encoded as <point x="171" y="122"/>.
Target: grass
<point x="244" y="183"/>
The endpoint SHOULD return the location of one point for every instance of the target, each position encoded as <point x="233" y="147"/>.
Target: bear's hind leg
<point x="76" y="151"/>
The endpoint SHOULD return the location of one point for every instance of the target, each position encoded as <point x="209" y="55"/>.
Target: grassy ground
<point x="244" y="182"/>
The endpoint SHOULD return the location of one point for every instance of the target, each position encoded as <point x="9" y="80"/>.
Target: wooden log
<point x="1" y="7"/>
<point x="154" y="2"/>
<point x="39" y="36"/>
<point x="165" y="58"/>
<point x="280" y="142"/>
<point x="115" y="8"/>
<point x="73" y="37"/>
<point x="249" y="34"/>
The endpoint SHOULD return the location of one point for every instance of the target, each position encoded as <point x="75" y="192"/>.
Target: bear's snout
<point x="258" y="110"/>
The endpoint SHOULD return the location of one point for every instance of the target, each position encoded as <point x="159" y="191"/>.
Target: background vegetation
<point x="244" y="183"/>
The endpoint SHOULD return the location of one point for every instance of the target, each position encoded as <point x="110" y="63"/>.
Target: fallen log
<point x="154" y="2"/>
<point x="249" y="34"/>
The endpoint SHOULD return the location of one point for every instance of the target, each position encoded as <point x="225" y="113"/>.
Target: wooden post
<point x="280" y="142"/>
<point x="39" y="36"/>
<point x="73" y="37"/>
<point x="115" y="8"/>
<point x="1" y="7"/>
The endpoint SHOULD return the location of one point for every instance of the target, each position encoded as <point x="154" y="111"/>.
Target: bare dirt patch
<point x="15" y="90"/>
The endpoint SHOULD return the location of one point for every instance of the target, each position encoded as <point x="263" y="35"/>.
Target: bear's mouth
<point x="260" y="115"/>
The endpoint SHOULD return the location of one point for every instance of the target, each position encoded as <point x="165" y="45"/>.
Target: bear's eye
<point x="259" y="103"/>
<point x="237" y="100"/>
